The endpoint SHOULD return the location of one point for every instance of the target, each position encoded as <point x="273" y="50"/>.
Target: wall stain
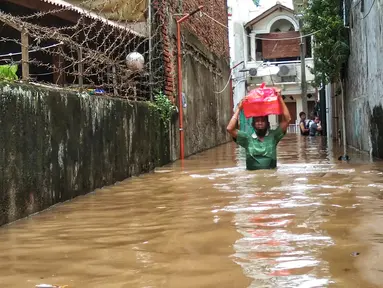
<point x="56" y="145"/>
<point x="376" y="130"/>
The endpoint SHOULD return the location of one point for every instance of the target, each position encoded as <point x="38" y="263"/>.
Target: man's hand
<point x="286" y="114"/>
<point x="240" y="104"/>
<point x="231" y="127"/>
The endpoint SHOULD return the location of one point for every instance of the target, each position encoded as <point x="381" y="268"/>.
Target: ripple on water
<point x="206" y="223"/>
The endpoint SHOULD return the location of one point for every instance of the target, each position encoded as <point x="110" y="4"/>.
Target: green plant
<point x="164" y="107"/>
<point x="330" y="46"/>
<point x="8" y="72"/>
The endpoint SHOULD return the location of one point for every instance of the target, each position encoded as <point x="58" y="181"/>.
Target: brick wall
<point x="211" y="34"/>
<point x="281" y="49"/>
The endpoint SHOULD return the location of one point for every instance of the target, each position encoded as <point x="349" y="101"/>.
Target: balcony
<point x="288" y="77"/>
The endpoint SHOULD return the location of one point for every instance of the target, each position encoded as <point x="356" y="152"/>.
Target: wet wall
<point x="56" y="145"/>
<point x="207" y="94"/>
<point x="364" y="88"/>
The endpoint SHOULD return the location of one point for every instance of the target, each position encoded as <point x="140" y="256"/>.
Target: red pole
<point x="179" y="68"/>
<point x="180" y="110"/>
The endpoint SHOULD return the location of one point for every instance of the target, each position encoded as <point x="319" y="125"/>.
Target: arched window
<point x="284" y="23"/>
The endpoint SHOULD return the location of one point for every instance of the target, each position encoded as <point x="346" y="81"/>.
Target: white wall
<point x="364" y="88"/>
<point x="264" y="25"/>
<point x="242" y="12"/>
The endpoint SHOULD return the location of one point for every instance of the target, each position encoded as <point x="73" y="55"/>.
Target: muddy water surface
<point x="313" y="222"/>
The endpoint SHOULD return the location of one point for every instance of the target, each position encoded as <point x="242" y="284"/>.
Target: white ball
<point x="135" y="61"/>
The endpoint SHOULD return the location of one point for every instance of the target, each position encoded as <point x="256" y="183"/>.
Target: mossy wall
<point x="56" y="145"/>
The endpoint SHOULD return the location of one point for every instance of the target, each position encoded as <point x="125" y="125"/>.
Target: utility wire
<point x="31" y="51"/>
<point x="211" y="18"/>
<point x="369" y="11"/>
<point x="283" y="39"/>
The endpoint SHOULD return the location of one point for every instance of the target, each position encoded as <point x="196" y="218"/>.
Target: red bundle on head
<point x="262" y="102"/>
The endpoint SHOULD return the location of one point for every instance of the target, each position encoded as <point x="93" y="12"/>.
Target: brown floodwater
<point x="207" y="222"/>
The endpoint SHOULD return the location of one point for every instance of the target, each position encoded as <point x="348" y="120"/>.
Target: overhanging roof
<point x="276" y="7"/>
<point x="33" y="4"/>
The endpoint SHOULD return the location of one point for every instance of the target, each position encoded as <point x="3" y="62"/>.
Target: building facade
<point x="267" y="44"/>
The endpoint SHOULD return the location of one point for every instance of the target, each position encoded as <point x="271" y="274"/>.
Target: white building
<point x="252" y="34"/>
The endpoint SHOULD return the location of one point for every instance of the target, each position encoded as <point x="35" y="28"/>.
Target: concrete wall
<point x="205" y="71"/>
<point x="207" y="112"/>
<point x="364" y="88"/>
<point x="240" y="50"/>
<point x="55" y="145"/>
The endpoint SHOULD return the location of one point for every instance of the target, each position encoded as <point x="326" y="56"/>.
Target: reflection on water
<point x="310" y="223"/>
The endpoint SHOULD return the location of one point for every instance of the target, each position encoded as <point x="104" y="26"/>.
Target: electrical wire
<point x="230" y="78"/>
<point x="259" y="38"/>
<point x="356" y="4"/>
<point x="211" y="18"/>
<point x="224" y="88"/>
<point x="369" y="11"/>
<point x="31" y="51"/>
<point x="284" y="39"/>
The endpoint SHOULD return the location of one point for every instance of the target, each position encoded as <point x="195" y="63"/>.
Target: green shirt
<point x="260" y="154"/>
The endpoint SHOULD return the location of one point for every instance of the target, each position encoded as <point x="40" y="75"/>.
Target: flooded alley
<point x="313" y="222"/>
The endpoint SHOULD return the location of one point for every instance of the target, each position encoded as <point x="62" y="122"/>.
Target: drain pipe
<point x="231" y="87"/>
<point x="231" y="96"/>
<point x="345" y="156"/>
<point x="179" y="67"/>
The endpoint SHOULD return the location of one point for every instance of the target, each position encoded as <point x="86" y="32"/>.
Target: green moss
<point x="60" y="145"/>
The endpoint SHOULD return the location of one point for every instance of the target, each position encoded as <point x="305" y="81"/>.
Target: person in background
<point x="261" y="146"/>
<point x="303" y="125"/>
<point x="315" y="127"/>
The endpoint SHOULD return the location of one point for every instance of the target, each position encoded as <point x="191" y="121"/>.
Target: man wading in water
<point x="261" y="147"/>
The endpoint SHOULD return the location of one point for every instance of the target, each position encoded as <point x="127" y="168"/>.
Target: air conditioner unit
<point x="253" y="72"/>
<point x="267" y="70"/>
<point x="287" y="70"/>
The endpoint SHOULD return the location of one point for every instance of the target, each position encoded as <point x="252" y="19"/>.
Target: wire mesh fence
<point x="73" y="45"/>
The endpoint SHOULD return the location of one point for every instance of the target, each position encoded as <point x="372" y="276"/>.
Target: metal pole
<point x="231" y="97"/>
<point x="149" y="24"/>
<point x="180" y="109"/>
<point x="343" y="121"/>
<point x="322" y="105"/>
<point x="303" y="71"/>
